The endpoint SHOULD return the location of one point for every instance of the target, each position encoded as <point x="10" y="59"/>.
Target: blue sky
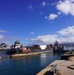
<point x="36" y="21"/>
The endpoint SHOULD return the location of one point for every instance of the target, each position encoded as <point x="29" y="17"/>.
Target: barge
<point x="28" y="54"/>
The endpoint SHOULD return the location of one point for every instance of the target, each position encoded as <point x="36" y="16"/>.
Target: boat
<point x="17" y="48"/>
<point x="58" y="48"/>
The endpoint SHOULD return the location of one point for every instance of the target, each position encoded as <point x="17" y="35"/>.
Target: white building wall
<point x="43" y="46"/>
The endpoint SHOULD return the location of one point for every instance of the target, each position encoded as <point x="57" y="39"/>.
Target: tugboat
<point x="57" y="47"/>
<point x="17" y="48"/>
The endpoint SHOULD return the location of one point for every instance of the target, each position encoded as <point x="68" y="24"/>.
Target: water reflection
<point x="29" y="65"/>
<point x="43" y="59"/>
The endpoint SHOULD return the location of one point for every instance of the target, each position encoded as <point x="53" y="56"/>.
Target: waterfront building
<point x="43" y="46"/>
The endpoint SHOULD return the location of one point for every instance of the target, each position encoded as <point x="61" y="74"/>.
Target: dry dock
<point x="27" y="54"/>
<point x="63" y="67"/>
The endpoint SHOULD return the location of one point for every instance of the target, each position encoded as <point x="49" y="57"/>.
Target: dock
<point x="66" y="55"/>
<point x="28" y="54"/>
<point x="64" y="67"/>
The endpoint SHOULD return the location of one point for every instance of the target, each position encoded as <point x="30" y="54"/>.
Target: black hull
<point x="11" y="51"/>
<point x="58" y="51"/>
<point x="14" y="51"/>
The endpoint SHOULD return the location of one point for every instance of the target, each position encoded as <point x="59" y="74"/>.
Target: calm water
<point x="29" y="65"/>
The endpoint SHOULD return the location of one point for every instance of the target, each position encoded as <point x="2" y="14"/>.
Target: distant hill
<point x="67" y="44"/>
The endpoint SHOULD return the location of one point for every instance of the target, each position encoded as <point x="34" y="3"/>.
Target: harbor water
<point x="29" y="65"/>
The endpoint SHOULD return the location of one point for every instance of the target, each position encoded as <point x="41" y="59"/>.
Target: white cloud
<point x="13" y="38"/>
<point x="30" y="7"/>
<point x="53" y="4"/>
<point x="26" y="38"/>
<point x="51" y="16"/>
<point x="7" y="39"/>
<point x="44" y="39"/>
<point x="44" y="4"/>
<point x="1" y="37"/>
<point x="59" y="13"/>
<point x="3" y="31"/>
<point x="67" y="32"/>
<point x="32" y="33"/>
<point x="66" y="6"/>
<point x="64" y="36"/>
<point x="46" y="17"/>
<point x="72" y="0"/>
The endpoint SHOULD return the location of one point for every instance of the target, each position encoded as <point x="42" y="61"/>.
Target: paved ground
<point x="62" y="67"/>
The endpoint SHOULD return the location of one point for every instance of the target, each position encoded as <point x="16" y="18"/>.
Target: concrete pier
<point x="66" y="55"/>
<point x="64" y="67"/>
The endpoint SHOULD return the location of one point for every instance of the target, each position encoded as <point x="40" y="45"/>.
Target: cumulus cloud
<point x="65" y="35"/>
<point x="67" y="32"/>
<point x="3" y="31"/>
<point x="51" y="16"/>
<point x="44" y="4"/>
<point x="66" y="39"/>
<point x="44" y="39"/>
<point x="66" y="6"/>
